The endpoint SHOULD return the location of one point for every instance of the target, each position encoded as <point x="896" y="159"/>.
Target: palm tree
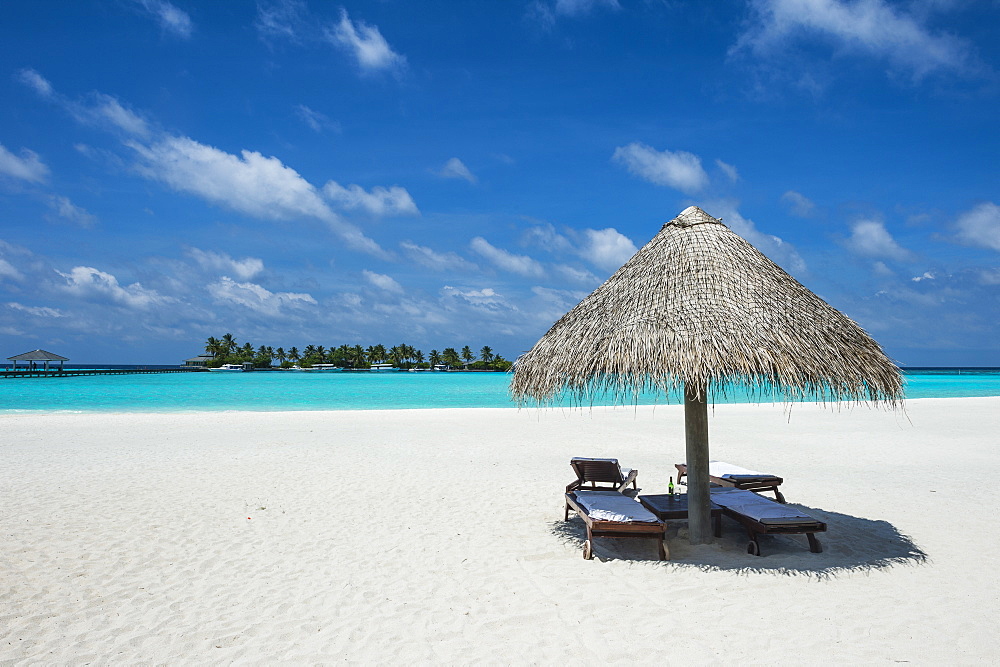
<point x="293" y="354"/>
<point x="467" y="355"/>
<point x="486" y="354"/>
<point x="450" y="357"/>
<point x="419" y="356"/>
<point x="214" y="347"/>
<point x="228" y="344"/>
<point x="435" y="358"/>
<point x="280" y="355"/>
<point x="501" y="364"/>
<point x="409" y="352"/>
<point x="357" y="356"/>
<point x="321" y="353"/>
<point x="376" y="353"/>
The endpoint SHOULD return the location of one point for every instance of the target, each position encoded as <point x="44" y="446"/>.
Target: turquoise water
<point x="270" y="391"/>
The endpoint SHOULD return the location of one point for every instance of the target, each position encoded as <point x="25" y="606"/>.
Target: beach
<point x="436" y="536"/>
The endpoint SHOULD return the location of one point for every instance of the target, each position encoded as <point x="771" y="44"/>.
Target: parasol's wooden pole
<point x="696" y="442"/>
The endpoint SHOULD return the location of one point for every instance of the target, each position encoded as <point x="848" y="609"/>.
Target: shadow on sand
<point x="851" y="544"/>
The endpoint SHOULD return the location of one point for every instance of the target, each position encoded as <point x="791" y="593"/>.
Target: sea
<point x="286" y="390"/>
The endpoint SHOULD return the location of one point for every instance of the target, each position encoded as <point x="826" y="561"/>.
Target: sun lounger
<point x="763" y="516"/>
<point x="611" y="514"/>
<point x="590" y="473"/>
<point x="726" y="474"/>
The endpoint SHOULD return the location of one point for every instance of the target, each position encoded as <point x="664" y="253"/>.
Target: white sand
<point x="436" y="537"/>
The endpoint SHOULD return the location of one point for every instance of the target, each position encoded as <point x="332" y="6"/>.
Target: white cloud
<point x="545" y="236"/>
<point x="870" y="238"/>
<point x="86" y="281"/>
<point x="989" y="276"/>
<point x="170" y="17"/>
<point x="245" y="268"/>
<point x="64" y="208"/>
<point x="366" y="44"/>
<point x="679" y="170"/>
<point x="437" y="261"/>
<point x="98" y="109"/>
<point x="870" y="27"/>
<point x="315" y="120"/>
<point x="383" y="281"/>
<point x="35" y="81"/>
<point x="37" y="311"/>
<point x="485" y="299"/>
<point x="926" y="276"/>
<point x="455" y="168"/>
<point x="566" y="299"/>
<point x="980" y="226"/>
<point x="27" y="167"/>
<point x="283" y="18"/>
<point x="257" y="298"/>
<point x="548" y="11"/>
<point x="799" y="204"/>
<point x="519" y="264"/>
<point x="576" y="275"/>
<point x="881" y="269"/>
<point x="779" y="251"/>
<point x="578" y="7"/>
<point x="729" y="170"/>
<point x="7" y="270"/>
<point x="607" y="248"/>
<point x="250" y="183"/>
<point x="106" y="111"/>
<point x="379" y="201"/>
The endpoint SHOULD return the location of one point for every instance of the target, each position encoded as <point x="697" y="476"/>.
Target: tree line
<point x="226" y="350"/>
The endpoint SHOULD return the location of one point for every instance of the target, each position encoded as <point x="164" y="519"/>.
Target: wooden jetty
<point x="76" y="372"/>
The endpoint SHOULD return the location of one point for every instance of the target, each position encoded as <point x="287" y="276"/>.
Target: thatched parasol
<point x="699" y="308"/>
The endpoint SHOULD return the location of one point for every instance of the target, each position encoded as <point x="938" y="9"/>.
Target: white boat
<point x="229" y="368"/>
<point x="327" y="367"/>
<point x="382" y="367"/>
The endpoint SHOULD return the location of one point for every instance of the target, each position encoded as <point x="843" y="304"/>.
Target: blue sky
<point x="462" y="173"/>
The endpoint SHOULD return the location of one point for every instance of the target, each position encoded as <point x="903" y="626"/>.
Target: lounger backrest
<point x="589" y="471"/>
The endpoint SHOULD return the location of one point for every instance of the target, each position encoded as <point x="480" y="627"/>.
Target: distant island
<point x="226" y="350"/>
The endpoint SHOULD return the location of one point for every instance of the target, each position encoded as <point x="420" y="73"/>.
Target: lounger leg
<point x="753" y="547"/>
<point x="778" y="496"/>
<point x="814" y="545"/>
<point x="588" y="546"/>
<point x="566" y="514"/>
<point x="664" y="548"/>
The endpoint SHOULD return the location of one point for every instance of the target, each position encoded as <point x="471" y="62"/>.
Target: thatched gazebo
<point x="695" y="310"/>
<point x="35" y="357"/>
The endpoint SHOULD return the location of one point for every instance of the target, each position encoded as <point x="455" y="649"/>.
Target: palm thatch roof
<point x="699" y="306"/>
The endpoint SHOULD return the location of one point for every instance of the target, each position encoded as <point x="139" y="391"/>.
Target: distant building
<point x="201" y="360"/>
<point x="35" y="357"/>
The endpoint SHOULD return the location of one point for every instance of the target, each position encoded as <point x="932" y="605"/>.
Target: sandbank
<point x="436" y="536"/>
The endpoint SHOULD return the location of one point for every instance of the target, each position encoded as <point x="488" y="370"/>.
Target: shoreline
<point x="436" y="535"/>
<point x="838" y="406"/>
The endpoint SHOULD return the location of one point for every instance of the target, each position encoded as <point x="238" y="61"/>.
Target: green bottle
<point x="670" y="487"/>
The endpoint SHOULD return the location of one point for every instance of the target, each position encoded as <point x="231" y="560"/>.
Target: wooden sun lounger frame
<point x="747" y="483"/>
<point x="755" y="528"/>
<point x="593" y="471"/>
<point x="597" y="528"/>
